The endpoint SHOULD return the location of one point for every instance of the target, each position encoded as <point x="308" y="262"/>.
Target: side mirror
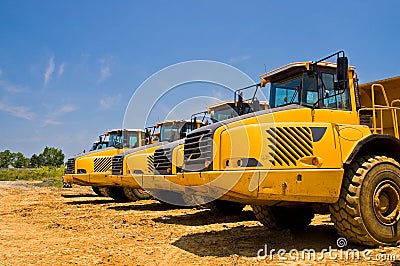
<point x="342" y="73"/>
<point x="240" y="103"/>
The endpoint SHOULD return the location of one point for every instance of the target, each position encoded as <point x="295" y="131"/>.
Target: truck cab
<point x="128" y="167"/>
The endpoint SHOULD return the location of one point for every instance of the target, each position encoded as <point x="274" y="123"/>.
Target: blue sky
<point x="69" y="68"/>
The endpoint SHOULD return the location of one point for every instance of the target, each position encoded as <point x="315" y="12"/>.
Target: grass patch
<point x="51" y="174"/>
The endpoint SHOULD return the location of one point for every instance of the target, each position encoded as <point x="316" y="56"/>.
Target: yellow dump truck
<point x="168" y="160"/>
<point x="94" y="167"/>
<point x="326" y="143"/>
<point x="129" y="166"/>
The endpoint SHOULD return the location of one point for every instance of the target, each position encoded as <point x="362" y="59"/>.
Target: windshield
<point x="175" y="130"/>
<point x="114" y="140"/>
<point x="131" y="139"/>
<point x="222" y="114"/>
<point x="306" y="89"/>
<point x="171" y="131"/>
<point x="127" y="139"/>
<point x="99" y="146"/>
<point x="229" y="110"/>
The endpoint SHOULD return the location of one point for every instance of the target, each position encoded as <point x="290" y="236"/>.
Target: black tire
<point x="104" y="191"/>
<point x="97" y="191"/>
<point x="66" y="185"/>
<point x="278" y="218"/>
<point x="117" y="193"/>
<point x="141" y="194"/>
<point x="224" y="206"/>
<point x="367" y="211"/>
<point x="129" y="194"/>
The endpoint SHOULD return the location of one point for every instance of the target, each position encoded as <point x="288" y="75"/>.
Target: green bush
<point x="53" y="174"/>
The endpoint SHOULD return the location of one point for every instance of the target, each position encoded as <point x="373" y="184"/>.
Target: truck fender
<point x="376" y="144"/>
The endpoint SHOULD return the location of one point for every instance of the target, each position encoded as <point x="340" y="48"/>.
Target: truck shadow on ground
<point x="206" y="217"/>
<point x="70" y="196"/>
<point x="247" y="241"/>
<point x="93" y="202"/>
<point x="149" y="205"/>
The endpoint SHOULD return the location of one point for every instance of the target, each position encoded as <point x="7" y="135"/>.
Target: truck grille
<point x="102" y="164"/>
<point x="117" y="165"/>
<point x="289" y="144"/>
<point x="70" y="166"/>
<point x="162" y="161"/>
<point x="198" y="151"/>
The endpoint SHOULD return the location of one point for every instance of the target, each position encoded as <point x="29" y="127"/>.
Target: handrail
<point x="393" y="110"/>
<point x="373" y="105"/>
<point x="394" y="114"/>
<point x="383" y="92"/>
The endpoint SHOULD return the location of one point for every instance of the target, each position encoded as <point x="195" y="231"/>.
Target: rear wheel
<point x="368" y="209"/>
<point x="278" y="218"/>
<point x="104" y="191"/>
<point x="129" y="194"/>
<point x="226" y="206"/>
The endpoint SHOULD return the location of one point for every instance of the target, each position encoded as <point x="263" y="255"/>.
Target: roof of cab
<point x="158" y="124"/>
<point x="119" y="130"/>
<point x="290" y="67"/>
<point x="216" y="105"/>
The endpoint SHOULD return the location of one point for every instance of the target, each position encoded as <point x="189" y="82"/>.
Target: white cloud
<point x="51" y="121"/>
<point x="17" y="111"/>
<point x="105" y="70"/>
<point x="61" y="69"/>
<point x="49" y="71"/>
<point x="66" y="109"/>
<point x="240" y="58"/>
<point x="54" y="113"/>
<point x="12" y="88"/>
<point x="107" y="103"/>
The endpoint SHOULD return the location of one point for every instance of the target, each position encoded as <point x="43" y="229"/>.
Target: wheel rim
<point x="386" y="202"/>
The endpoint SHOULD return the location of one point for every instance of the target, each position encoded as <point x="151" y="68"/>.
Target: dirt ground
<point x="42" y="225"/>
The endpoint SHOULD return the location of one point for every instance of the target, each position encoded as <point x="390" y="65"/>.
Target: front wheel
<point x="141" y="194"/>
<point x="97" y="191"/>
<point x="367" y="211"/>
<point x="117" y="193"/>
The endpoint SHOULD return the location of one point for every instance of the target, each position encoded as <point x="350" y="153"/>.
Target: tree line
<point x="49" y="157"/>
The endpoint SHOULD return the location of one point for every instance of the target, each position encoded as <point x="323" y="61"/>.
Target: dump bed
<point x="392" y="89"/>
<point x="380" y="101"/>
